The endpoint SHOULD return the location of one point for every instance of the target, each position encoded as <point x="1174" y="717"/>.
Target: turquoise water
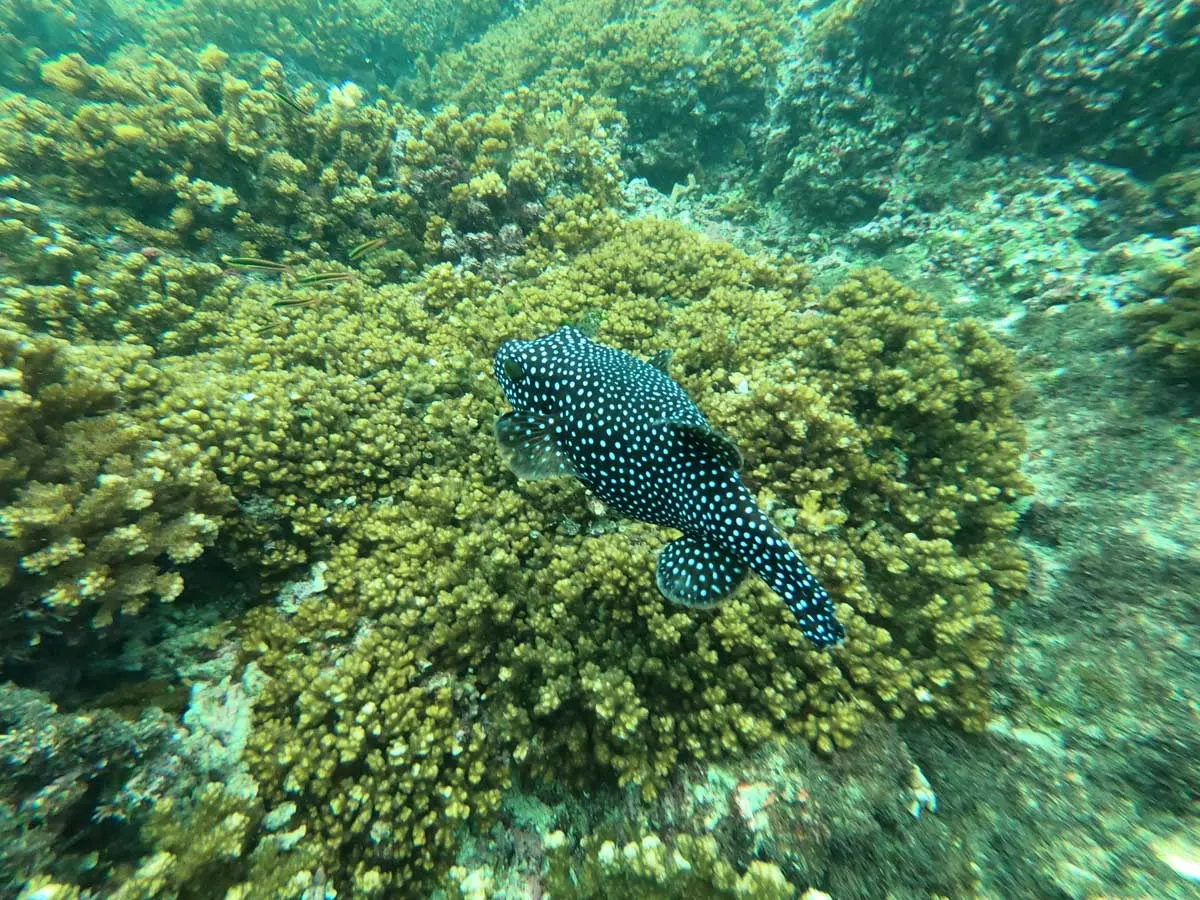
<point x="285" y="615"/>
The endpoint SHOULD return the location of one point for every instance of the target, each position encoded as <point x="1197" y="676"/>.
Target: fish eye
<point x="513" y="370"/>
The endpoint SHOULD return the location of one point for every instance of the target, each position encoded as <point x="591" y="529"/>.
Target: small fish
<point x="366" y="247"/>
<point x="253" y="262"/>
<point x="318" y="278"/>
<point x="284" y="98"/>
<point x="627" y="431"/>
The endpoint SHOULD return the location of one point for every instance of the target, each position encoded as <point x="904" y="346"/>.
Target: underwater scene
<point x="599" y="449"/>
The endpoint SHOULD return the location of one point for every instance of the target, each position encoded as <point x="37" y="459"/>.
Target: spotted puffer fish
<point x="632" y="435"/>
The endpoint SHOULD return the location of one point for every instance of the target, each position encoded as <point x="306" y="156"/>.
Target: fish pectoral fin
<point x="696" y="573"/>
<point x="528" y="447"/>
<point x="706" y="443"/>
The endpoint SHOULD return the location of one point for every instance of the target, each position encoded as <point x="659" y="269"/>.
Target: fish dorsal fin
<point x="661" y="361"/>
<point x="573" y="334"/>
<point x="528" y="448"/>
<point x="704" y="442"/>
<point x="696" y="573"/>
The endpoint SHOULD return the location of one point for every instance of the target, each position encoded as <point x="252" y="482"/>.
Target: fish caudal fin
<point x="528" y="448"/>
<point x="820" y="626"/>
<point x="696" y="573"/>
<point x="813" y="609"/>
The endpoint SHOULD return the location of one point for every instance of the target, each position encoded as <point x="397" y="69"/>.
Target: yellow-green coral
<point x="178" y="150"/>
<point x="39" y="251"/>
<point x="1170" y="324"/>
<point x="359" y="38"/>
<point x="615" y="46"/>
<point x="483" y="620"/>
<point x="471" y="620"/>
<point x="98" y="507"/>
<point x="676" y="70"/>
<point x="689" y="866"/>
<point x="67" y="288"/>
<point x="220" y="839"/>
<point x="177" y="145"/>
<point x="386" y="755"/>
<point x="468" y="622"/>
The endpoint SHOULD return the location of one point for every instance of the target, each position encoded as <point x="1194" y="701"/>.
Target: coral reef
<point x="98" y="506"/>
<point x="1104" y="77"/>
<point x="689" y="77"/>
<point x="288" y="171"/>
<point x="374" y="41"/>
<point x="459" y="630"/>
<point x="217" y="840"/>
<point x="692" y="866"/>
<point x="744" y="376"/>
<point x="37" y="249"/>
<point x="536" y="171"/>
<point x="776" y="822"/>
<point x="387" y="757"/>
<point x="876" y="81"/>
<point x="75" y="786"/>
<point x="63" y="285"/>
<point x="1170" y="324"/>
<point x="832" y="145"/>
<point x="468" y="619"/>
<point x="130" y="804"/>
<point x="31" y="30"/>
<point x="101" y="504"/>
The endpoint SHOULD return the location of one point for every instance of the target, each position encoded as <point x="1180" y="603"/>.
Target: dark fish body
<point x="633" y="436"/>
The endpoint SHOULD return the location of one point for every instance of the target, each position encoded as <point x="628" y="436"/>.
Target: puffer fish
<point x="634" y="438"/>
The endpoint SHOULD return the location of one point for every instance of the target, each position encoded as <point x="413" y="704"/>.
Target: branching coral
<point x="363" y="39"/>
<point x="691" y="866"/>
<point x="470" y="619"/>
<point x="140" y="114"/>
<point x="1171" y="323"/>
<point x="289" y="170"/>
<point x="687" y="76"/>
<point x="38" y="251"/>
<point x="71" y="291"/>
<point x="888" y="434"/>
<point x="98" y="507"/>
<point x="386" y="756"/>
<point x="484" y="186"/>
<point x="220" y="839"/>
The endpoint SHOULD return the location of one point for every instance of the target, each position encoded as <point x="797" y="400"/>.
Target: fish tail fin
<point x="816" y="617"/>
